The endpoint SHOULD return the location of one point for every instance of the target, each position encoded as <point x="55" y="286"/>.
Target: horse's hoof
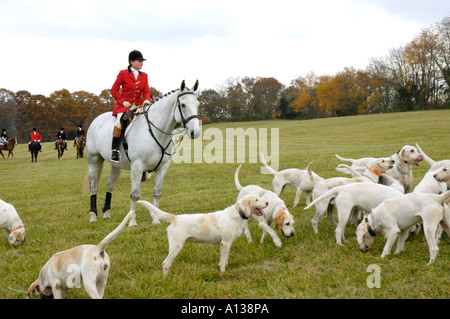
<point x="93" y="217"/>
<point x="107" y="214"/>
<point x="156" y="222"/>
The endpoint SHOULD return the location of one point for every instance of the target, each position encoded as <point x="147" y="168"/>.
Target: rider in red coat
<point x="135" y="90"/>
<point x="35" y="136"/>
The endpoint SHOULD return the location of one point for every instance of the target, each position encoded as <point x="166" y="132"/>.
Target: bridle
<point x="185" y="121"/>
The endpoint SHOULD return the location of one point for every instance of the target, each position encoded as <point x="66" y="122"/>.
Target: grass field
<point x="48" y="196"/>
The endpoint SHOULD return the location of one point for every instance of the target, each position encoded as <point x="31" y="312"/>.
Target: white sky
<point x="48" y="45"/>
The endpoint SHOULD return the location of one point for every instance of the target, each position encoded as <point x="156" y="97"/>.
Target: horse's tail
<point x="104" y="243"/>
<point x="87" y="181"/>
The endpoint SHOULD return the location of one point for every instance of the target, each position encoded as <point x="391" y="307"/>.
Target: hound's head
<point x="381" y="165"/>
<point x="284" y="221"/>
<point x="363" y="237"/>
<point x="443" y="174"/>
<point x="17" y="235"/>
<point x="249" y="205"/>
<point x="34" y="291"/>
<point x="410" y="155"/>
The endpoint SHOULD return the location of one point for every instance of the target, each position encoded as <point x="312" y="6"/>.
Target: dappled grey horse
<point x="150" y="145"/>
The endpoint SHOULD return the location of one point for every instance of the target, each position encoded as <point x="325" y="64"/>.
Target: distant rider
<point x="80" y="132"/>
<point x="4" y="138"/>
<point x="61" y="134"/>
<point x="35" y="136"/>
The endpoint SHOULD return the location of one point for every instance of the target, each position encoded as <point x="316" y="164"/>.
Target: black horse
<point x="34" y="148"/>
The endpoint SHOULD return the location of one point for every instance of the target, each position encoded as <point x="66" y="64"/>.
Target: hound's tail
<point x="104" y="243"/>
<point x="442" y="198"/>
<point x="344" y="159"/>
<point x="328" y="196"/>
<point x="156" y="211"/>
<point x="263" y="160"/>
<point x="343" y="168"/>
<point x="310" y="173"/>
<point x="236" y="178"/>
<point x="425" y="156"/>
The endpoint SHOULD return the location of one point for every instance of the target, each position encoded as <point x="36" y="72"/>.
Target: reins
<point x="171" y="134"/>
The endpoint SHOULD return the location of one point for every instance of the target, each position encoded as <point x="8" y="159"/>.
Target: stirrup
<point x="115" y="156"/>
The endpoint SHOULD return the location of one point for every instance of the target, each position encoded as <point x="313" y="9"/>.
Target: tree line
<point x="415" y="76"/>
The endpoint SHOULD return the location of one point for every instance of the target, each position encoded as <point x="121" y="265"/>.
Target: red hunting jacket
<point x="35" y="137"/>
<point x="133" y="90"/>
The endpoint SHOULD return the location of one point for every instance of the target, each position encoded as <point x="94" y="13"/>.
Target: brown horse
<point x="81" y="143"/>
<point x="9" y="147"/>
<point x="60" y="145"/>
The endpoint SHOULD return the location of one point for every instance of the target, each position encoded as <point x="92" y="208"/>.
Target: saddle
<point x="126" y="119"/>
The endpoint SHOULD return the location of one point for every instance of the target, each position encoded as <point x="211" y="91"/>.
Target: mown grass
<point x="48" y="196"/>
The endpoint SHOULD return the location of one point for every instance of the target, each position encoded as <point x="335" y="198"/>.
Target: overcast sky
<point x="48" y="45"/>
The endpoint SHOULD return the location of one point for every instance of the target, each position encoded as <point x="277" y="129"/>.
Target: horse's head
<point x="187" y="110"/>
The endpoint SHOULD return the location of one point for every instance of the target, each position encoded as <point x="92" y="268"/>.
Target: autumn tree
<point x="8" y="111"/>
<point x="212" y="106"/>
<point x="264" y="98"/>
<point x="306" y="101"/>
<point x="25" y="116"/>
<point x="236" y="100"/>
<point x="84" y="102"/>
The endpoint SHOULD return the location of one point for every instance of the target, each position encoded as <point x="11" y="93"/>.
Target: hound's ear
<point x="246" y="205"/>
<point x="279" y="219"/>
<point x="182" y="86"/>
<point x="195" y="87"/>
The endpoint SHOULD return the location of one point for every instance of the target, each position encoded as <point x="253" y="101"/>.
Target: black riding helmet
<point x="135" y="55"/>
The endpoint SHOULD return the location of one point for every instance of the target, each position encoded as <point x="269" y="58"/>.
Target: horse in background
<point x="60" y="145"/>
<point x="34" y="149"/>
<point x="81" y="143"/>
<point x="9" y="147"/>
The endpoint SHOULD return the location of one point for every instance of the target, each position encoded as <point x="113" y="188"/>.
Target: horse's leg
<point x="115" y="173"/>
<point x="157" y="190"/>
<point x="2" y="153"/>
<point x="95" y="167"/>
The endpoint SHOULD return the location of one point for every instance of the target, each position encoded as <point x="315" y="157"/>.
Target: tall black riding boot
<point x="115" y="150"/>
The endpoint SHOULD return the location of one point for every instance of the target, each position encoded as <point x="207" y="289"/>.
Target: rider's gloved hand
<point x="126" y="104"/>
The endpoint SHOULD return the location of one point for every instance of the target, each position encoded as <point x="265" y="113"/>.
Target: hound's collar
<point x="373" y="170"/>
<point x="369" y="228"/>
<point x="14" y="229"/>
<point x="240" y="211"/>
<point x="41" y="294"/>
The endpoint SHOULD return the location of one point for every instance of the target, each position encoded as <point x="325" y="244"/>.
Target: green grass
<point x="48" y="196"/>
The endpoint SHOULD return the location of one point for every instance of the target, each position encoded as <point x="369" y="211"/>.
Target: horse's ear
<point x="182" y="86"/>
<point x="195" y="87"/>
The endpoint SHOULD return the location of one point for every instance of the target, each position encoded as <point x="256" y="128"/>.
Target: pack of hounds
<point x="379" y="192"/>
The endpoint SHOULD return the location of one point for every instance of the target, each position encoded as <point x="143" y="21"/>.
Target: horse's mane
<point x="156" y="99"/>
